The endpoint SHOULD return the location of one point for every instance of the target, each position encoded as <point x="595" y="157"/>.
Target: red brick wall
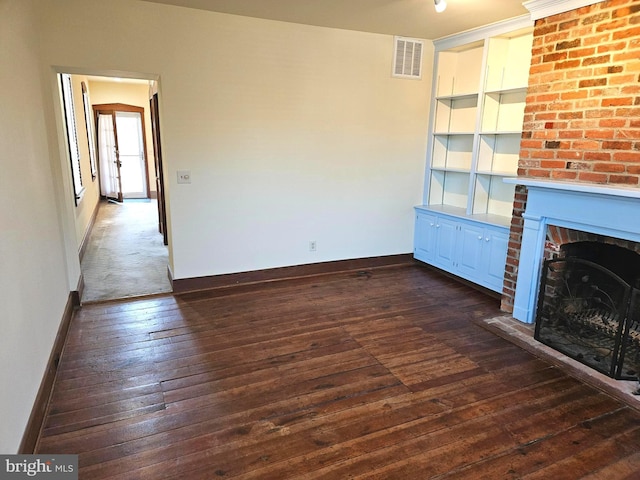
<point x="582" y="118"/>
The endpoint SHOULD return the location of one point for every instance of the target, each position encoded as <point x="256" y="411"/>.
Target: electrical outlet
<point x="313" y="246"/>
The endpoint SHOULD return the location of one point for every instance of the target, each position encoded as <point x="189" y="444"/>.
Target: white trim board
<point x="481" y="33"/>
<point x="546" y="8"/>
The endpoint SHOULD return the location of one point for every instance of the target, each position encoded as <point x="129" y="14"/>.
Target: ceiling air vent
<point x="407" y="58"/>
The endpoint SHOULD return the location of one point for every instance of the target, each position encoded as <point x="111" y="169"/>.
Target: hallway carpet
<point x="125" y="256"/>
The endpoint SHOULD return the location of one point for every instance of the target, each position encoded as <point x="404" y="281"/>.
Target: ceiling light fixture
<point x="441" y="5"/>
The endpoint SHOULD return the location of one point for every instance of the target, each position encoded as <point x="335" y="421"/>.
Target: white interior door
<point x="107" y="150"/>
<point x="131" y="154"/>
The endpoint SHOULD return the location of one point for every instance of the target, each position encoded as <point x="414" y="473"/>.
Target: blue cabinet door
<point x="470" y="249"/>
<point x="469" y="253"/>
<point x="494" y="257"/>
<point x="425" y="237"/>
<point x="446" y="232"/>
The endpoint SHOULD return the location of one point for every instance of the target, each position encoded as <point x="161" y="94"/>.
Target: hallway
<point x="125" y="255"/>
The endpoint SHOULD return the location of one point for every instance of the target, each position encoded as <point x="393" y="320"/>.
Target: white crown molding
<point x="546" y="8"/>
<point x="481" y="33"/>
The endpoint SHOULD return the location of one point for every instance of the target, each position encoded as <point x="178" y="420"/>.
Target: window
<point x="91" y="138"/>
<point x="72" y="135"/>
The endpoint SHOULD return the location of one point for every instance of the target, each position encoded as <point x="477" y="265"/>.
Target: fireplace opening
<point x="589" y="307"/>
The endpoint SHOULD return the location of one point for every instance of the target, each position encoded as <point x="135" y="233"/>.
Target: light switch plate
<point x="184" y="176"/>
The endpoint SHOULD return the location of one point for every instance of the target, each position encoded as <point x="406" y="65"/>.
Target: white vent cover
<point x="407" y="58"/>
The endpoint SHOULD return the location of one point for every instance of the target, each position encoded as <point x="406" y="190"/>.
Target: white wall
<point x="34" y="285"/>
<point x="292" y="133"/>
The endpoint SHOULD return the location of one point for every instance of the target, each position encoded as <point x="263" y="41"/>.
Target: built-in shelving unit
<point x="479" y="92"/>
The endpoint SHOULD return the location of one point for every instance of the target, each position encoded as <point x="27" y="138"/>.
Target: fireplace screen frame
<point x="578" y="316"/>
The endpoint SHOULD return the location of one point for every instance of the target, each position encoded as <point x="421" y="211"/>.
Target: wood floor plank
<point x="625" y="468"/>
<point x="376" y="374"/>
<point x="594" y="458"/>
<point x="534" y="456"/>
<point x="408" y="422"/>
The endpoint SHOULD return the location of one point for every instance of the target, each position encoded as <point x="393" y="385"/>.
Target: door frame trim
<point x="112" y="108"/>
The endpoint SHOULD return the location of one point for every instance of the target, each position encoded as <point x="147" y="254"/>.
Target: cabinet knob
<point x="487" y="239"/>
<point x="431" y="224"/>
<point x="479" y="237"/>
<point x="437" y="226"/>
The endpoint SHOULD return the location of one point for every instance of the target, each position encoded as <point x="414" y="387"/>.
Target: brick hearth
<point x="521" y="334"/>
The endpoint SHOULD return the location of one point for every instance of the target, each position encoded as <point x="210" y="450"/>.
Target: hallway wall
<point x="34" y="286"/>
<point x="87" y="205"/>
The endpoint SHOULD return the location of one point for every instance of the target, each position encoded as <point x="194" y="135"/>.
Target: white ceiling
<point x="411" y="18"/>
<point x="95" y="78"/>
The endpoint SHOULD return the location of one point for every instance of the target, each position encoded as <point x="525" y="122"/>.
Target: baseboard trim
<point x="87" y="233"/>
<point x="464" y="281"/>
<point x="76" y="295"/>
<point x="184" y="285"/>
<point x="170" y="275"/>
<point x="34" y="425"/>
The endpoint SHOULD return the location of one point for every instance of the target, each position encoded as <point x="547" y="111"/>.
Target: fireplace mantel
<point x="599" y="209"/>
<point x="621" y="191"/>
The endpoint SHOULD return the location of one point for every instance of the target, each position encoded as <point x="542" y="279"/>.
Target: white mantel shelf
<point x="606" y="210"/>
<point x="621" y="191"/>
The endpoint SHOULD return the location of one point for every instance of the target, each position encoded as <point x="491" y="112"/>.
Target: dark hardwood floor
<point x="378" y="374"/>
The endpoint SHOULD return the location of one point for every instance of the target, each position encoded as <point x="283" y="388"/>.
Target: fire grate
<point x="589" y="313"/>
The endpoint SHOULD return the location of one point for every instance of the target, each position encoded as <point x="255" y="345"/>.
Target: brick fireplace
<point x="589" y="300"/>
<point x="594" y="210"/>
<point x="579" y="164"/>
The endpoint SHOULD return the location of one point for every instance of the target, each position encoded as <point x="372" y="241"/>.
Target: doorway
<point x="123" y="252"/>
<point x="122" y="151"/>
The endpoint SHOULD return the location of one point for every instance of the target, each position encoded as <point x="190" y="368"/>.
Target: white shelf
<point x="457" y="170"/>
<point x="449" y="188"/>
<point x="479" y="97"/>
<point x="459" y="70"/>
<point x="449" y="210"/>
<point x="452" y="152"/>
<point x="477" y="111"/>
<point x="459" y="96"/>
<point x="499" y="153"/>
<point x="503" y="111"/>
<point x="456" y="114"/>
<point x="508" y="60"/>
<point x="500" y="132"/>
<point x="497" y="173"/>
<point x="454" y="134"/>
<point x="493" y="196"/>
<point x="516" y="89"/>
